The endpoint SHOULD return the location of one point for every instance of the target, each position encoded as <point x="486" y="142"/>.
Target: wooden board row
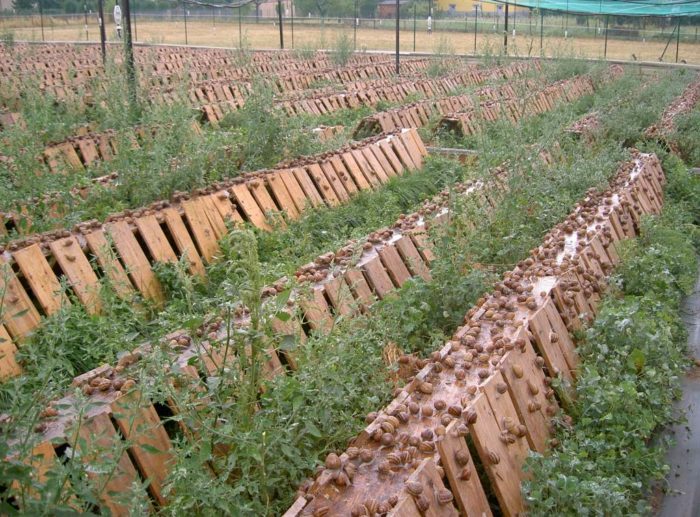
<point x="484" y="398"/>
<point x="116" y="416"/>
<point x="124" y="252"/>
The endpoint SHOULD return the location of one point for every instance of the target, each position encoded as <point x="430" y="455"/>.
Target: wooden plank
<point x="403" y="154"/>
<point x="42" y="460"/>
<point x="527" y="391"/>
<point x="227" y="210"/>
<point x="423" y="245"/>
<point x="335" y="182"/>
<point x="377" y="277"/>
<point x="282" y="195"/>
<point x="70" y="156"/>
<point x="137" y="265"/>
<point x="19" y="315"/>
<point x="542" y="331"/>
<point x="503" y="408"/>
<point x="97" y="444"/>
<point x="79" y="272"/>
<point x="371" y="176"/>
<point x="41" y="279"/>
<point x="427" y="475"/>
<point x="216" y="221"/>
<point x="505" y="475"/>
<point x="359" y="288"/>
<point x="316" y="310"/>
<point x="150" y="446"/>
<point x="8" y="363"/>
<point x="563" y="339"/>
<point x="469" y="494"/>
<point x="250" y="207"/>
<point x="343" y="174"/>
<point x="355" y="172"/>
<point x="183" y="241"/>
<point x="88" y="150"/>
<point x="292" y="327"/>
<point x="391" y="156"/>
<point x="382" y="159"/>
<point x="262" y="197"/>
<point x="340" y="296"/>
<point x="295" y="191"/>
<point x="107" y="260"/>
<point x="155" y="239"/>
<point x="374" y="164"/>
<point x="204" y="234"/>
<point x="322" y="184"/>
<point x="411" y="257"/>
<point x="307" y="185"/>
<point x="398" y="272"/>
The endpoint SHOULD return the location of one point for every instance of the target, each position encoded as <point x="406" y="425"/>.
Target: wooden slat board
<point x="228" y="212"/>
<point x="100" y="437"/>
<point x="155" y="239"/>
<point x="423" y="245"/>
<point x="137" y="265"/>
<point x="377" y="277"/>
<point x="541" y="330"/>
<point x="344" y="175"/>
<point x="216" y="220"/>
<point x="426" y="473"/>
<point x="282" y="195"/>
<point x="41" y="278"/>
<point x="77" y="268"/>
<point x="564" y="341"/>
<point x="469" y="494"/>
<point x="391" y="157"/>
<point x="382" y="160"/>
<point x="359" y="288"/>
<point x="374" y="164"/>
<point x="521" y="373"/>
<point x="316" y="310"/>
<point x="307" y="185"/>
<point x="372" y="177"/>
<point x="8" y="363"/>
<point x="139" y="423"/>
<point x="109" y="263"/>
<point x="204" y="234"/>
<point x="322" y="184"/>
<point x="355" y="173"/>
<point x="19" y="315"/>
<point x="411" y="148"/>
<point x="335" y="182"/>
<point x="250" y="207"/>
<point x="295" y="191"/>
<point x="183" y="241"/>
<point x="340" y="296"/>
<point x="411" y="257"/>
<point x="505" y="476"/>
<point x="395" y="267"/>
<point x="263" y="198"/>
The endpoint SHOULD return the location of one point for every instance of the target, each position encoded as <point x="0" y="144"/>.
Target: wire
<point x="237" y="5"/>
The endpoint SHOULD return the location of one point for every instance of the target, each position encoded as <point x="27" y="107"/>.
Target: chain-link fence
<point x="529" y="32"/>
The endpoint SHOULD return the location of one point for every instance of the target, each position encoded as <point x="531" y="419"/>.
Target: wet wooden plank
<point x="377" y="277"/>
<point x="398" y="272"/>
<point x="543" y="333"/>
<point x="371" y="176"/>
<point x="227" y="210"/>
<point x="316" y="310"/>
<point x="527" y="390"/>
<point x="422" y="241"/>
<point x="88" y="150"/>
<point x="504" y="474"/>
<point x="79" y="272"/>
<point x="109" y="263"/>
<point x="411" y="257"/>
<point x="374" y="164"/>
<point x="401" y="151"/>
<point x="560" y="336"/>
<point x="262" y="197"/>
<point x="137" y="265"/>
<point x="340" y="296"/>
<point x="391" y="156"/>
<point x="335" y="182"/>
<point x="427" y="475"/>
<point x="382" y="159"/>
<point x="41" y="279"/>
<point x="183" y="241"/>
<point x="410" y="146"/>
<point x="359" y="288"/>
<point x="464" y="480"/>
<point x="140" y="425"/>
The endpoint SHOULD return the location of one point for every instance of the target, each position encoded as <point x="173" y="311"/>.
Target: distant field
<point x="264" y="35"/>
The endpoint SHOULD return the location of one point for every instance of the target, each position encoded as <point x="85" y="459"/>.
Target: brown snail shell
<point x="470" y="416"/>
<point x="439" y="404"/>
<point x="462" y="457"/>
<point x="465" y="474"/>
<point x="444" y="496"/>
<point x="415" y="488"/>
<point x="332" y="461"/>
<point x="455" y="410"/>
<point x="426" y="388"/>
<point x="494" y="457"/>
<point x="518" y="371"/>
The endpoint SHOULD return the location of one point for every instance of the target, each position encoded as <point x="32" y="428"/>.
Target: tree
<point x="23" y="5"/>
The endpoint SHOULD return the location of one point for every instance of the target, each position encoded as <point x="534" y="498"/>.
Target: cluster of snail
<point x="684" y="103"/>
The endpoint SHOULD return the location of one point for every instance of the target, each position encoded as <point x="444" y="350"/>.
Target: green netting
<point x="672" y="8"/>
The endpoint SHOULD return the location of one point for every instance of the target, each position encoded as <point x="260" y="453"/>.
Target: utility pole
<point x="605" y="51"/>
<point x="41" y="19"/>
<point x="505" y="31"/>
<point x="279" y="13"/>
<point x="414" y="26"/>
<point x="103" y="37"/>
<point x="184" y="17"/>
<point x="354" y="29"/>
<point x="398" y="14"/>
<point x="129" y="54"/>
<point x="476" y="27"/>
<point x="87" y="34"/>
<point x="678" y="37"/>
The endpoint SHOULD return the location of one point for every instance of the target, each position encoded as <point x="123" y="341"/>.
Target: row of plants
<point x="605" y="458"/>
<point x="342" y="375"/>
